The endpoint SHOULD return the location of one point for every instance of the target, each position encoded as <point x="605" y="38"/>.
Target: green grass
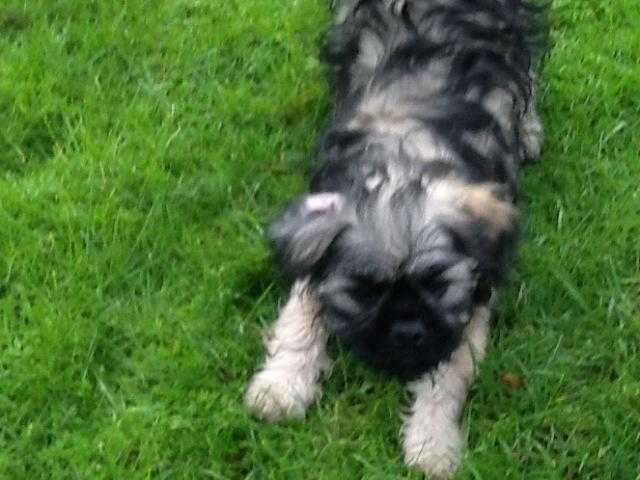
<point x="143" y="146"/>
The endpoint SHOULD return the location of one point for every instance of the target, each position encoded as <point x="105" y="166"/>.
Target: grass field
<point x="143" y="146"/>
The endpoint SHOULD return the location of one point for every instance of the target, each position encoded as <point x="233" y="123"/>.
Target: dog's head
<point x="398" y="269"/>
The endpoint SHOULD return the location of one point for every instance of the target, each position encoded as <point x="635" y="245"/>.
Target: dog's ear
<point x="488" y="227"/>
<point x="303" y="233"/>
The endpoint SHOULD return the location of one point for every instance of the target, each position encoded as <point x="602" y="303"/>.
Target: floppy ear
<point x="306" y="229"/>
<point x="488" y="228"/>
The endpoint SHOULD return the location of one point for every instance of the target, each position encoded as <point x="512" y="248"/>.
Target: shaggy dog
<point x="411" y="222"/>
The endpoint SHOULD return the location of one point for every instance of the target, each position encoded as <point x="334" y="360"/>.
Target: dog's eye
<point x="364" y="296"/>
<point x="435" y="286"/>
<point x="367" y="292"/>
<point x="433" y="281"/>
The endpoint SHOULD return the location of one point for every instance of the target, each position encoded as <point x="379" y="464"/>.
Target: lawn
<point x="143" y="147"/>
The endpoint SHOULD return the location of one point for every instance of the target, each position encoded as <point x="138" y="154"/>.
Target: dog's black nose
<point x="408" y="332"/>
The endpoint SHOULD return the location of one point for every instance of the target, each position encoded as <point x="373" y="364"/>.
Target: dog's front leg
<point x="289" y="381"/>
<point x="431" y="436"/>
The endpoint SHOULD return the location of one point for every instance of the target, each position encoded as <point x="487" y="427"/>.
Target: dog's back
<point x="458" y="67"/>
<point x="497" y="39"/>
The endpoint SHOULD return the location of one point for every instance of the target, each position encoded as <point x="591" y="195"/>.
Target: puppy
<point x="411" y="222"/>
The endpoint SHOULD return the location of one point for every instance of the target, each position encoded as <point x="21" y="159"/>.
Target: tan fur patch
<point x="481" y="202"/>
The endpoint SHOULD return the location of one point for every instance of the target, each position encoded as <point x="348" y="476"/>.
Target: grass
<point x="143" y="146"/>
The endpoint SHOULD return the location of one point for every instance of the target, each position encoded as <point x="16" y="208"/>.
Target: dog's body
<point x="411" y="220"/>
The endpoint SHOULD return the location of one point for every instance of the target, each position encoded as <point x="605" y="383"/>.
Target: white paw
<point x="435" y="450"/>
<point x="277" y="394"/>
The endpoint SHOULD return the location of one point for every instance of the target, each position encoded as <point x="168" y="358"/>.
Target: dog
<point x="411" y="221"/>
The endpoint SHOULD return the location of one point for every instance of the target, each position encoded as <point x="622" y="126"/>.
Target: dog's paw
<point x="434" y="449"/>
<point x="532" y="139"/>
<point x="275" y="395"/>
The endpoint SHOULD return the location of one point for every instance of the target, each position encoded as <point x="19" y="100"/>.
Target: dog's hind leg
<point x="531" y="131"/>
<point x="289" y="381"/>
<point x="431" y="435"/>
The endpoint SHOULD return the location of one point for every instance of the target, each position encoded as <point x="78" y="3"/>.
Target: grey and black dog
<point x="411" y="221"/>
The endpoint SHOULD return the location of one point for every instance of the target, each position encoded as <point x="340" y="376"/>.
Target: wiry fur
<point x="411" y="220"/>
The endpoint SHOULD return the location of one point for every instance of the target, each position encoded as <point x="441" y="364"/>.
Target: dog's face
<point x="398" y="270"/>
